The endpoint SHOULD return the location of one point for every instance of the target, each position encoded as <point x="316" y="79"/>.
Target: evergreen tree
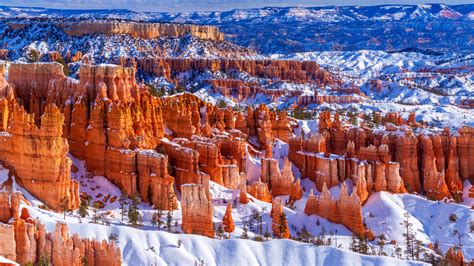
<point x="305" y="235"/>
<point x="267" y="234"/>
<point x="381" y="244"/>
<point x="65" y="201"/>
<point x="123" y="203"/>
<point x="83" y="209"/>
<point x="244" y="233"/>
<point x="220" y="231"/>
<point x="169" y="220"/>
<point x="363" y="244"/>
<point x="156" y="219"/>
<point x="409" y="236"/>
<point x="134" y="216"/>
<point x="354" y="244"/>
<point x="398" y="252"/>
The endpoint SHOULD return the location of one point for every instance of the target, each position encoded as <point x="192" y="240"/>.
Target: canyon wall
<point x="134" y="29"/>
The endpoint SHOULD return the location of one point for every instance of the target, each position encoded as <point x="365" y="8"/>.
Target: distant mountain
<point x="437" y="27"/>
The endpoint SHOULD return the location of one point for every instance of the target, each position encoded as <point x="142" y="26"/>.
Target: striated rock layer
<point x="197" y="209"/>
<point x="38" y="157"/>
<point x="141" y="30"/>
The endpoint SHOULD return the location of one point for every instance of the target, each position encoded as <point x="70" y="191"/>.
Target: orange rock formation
<point x="279" y="222"/>
<point x="38" y="157"/>
<point x="347" y="210"/>
<point x="28" y="243"/>
<point x="227" y="220"/>
<point x="141" y="30"/>
<point x="9" y="205"/>
<point x="197" y="208"/>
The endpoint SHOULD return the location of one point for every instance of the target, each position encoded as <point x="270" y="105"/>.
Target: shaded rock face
<point x="260" y="191"/>
<point x="27" y="242"/>
<point x="346" y="210"/>
<point x="197" y="210"/>
<point x="9" y="205"/>
<point x="154" y="180"/>
<point x="141" y="30"/>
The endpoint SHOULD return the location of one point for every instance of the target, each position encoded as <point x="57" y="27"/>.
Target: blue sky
<point x="203" y="5"/>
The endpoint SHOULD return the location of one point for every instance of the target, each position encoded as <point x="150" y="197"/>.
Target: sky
<point x="203" y="5"/>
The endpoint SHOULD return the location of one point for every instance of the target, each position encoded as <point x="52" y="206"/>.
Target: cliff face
<point x="141" y="30"/>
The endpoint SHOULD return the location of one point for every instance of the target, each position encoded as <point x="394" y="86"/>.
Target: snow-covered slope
<point x="435" y="86"/>
<point x="147" y="245"/>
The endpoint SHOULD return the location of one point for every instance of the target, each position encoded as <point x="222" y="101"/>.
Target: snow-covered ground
<point x="433" y="86"/>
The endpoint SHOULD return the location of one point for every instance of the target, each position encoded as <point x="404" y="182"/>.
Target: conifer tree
<point x="409" y="236"/>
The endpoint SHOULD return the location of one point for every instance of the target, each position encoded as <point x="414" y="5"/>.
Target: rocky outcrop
<point x="38" y="156"/>
<point x="231" y="176"/>
<point x="346" y="210"/>
<point x="434" y="182"/>
<point x="34" y="244"/>
<point x="260" y="191"/>
<point x="9" y="205"/>
<point x="197" y="209"/>
<point x="8" y="244"/>
<point x="298" y="71"/>
<point x="154" y="180"/>
<point x="279" y="223"/>
<point x="281" y="183"/>
<point x="243" y="194"/>
<point x="141" y="29"/>
<point x="227" y="220"/>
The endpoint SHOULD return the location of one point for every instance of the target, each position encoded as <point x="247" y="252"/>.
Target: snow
<point x="6" y="261"/>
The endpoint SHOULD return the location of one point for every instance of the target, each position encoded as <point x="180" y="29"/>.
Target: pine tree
<point x="398" y="252"/>
<point x="169" y="220"/>
<point x="354" y="244"/>
<point x="363" y="244"/>
<point x="65" y="201"/>
<point x="134" y="216"/>
<point x="83" y="209"/>
<point x="220" y="231"/>
<point x="156" y="219"/>
<point x="417" y="249"/>
<point x="381" y="244"/>
<point x="267" y="234"/>
<point x="244" y="233"/>
<point x="123" y="203"/>
<point x="305" y="235"/>
<point x="409" y="236"/>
